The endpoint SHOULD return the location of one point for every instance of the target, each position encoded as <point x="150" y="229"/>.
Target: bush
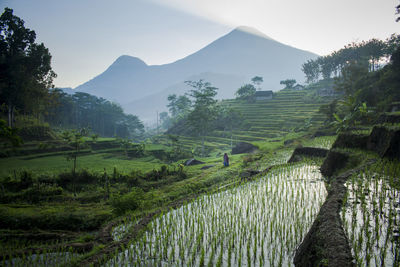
<point x="247" y="160"/>
<point x="81" y="178"/>
<point x="36" y="132"/>
<point x="55" y="219"/>
<point x="130" y="201"/>
<point x="34" y="194"/>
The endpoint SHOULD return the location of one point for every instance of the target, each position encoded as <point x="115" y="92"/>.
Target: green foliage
<point x="366" y="53"/>
<point x="311" y="70"/>
<point x="351" y="75"/>
<point x="33" y="194"/>
<point x="36" y="132"/>
<point x="247" y="92"/>
<point x="246" y="160"/>
<point x="128" y="202"/>
<point x="289" y="83"/>
<point x="365" y="92"/>
<point x="136" y="150"/>
<point x="398" y="12"/>
<point x="165" y="120"/>
<point x="9" y="134"/>
<point x="178" y="105"/>
<point x="25" y="72"/>
<point x="75" y="139"/>
<point x="82" y="110"/>
<point x="257" y="81"/>
<point x="204" y="111"/>
<point x="177" y="151"/>
<point x="353" y="115"/>
<point x="57" y="218"/>
<point x="76" y="181"/>
<point x="94" y="137"/>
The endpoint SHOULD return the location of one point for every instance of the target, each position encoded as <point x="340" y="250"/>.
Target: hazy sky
<point x="86" y="36"/>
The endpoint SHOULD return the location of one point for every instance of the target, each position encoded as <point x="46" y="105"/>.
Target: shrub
<point x="36" y="132"/>
<point x="130" y="201"/>
<point x="247" y="160"/>
<point x="80" y="179"/>
<point x="34" y="194"/>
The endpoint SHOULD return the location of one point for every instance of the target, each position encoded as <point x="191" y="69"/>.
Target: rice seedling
<point x="321" y="142"/>
<point x="121" y="230"/>
<point x="61" y="257"/>
<point x="256" y="223"/>
<point x="371" y="215"/>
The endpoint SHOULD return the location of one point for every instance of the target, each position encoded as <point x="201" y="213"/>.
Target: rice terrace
<point x="244" y="151"/>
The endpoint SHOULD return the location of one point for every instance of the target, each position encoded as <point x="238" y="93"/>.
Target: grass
<point x="95" y="162"/>
<point x="228" y="226"/>
<point x="286" y="111"/>
<point x="272" y="123"/>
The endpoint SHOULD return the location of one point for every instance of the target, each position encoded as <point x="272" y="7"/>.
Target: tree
<point x="289" y="83"/>
<point x="204" y="111"/>
<point x="229" y="119"/>
<point x="351" y="74"/>
<point x="311" y="70"/>
<point x="247" y="91"/>
<point x="25" y="71"/>
<point x="75" y="139"/>
<point x="165" y="120"/>
<point x="373" y="50"/>
<point x="9" y="134"/>
<point x="257" y="80"/>
<point x="327" y="66"/>
<point x="398" y="12"/>
<point x="178" y="105"/>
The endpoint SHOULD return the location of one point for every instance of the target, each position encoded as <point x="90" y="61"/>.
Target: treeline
<point x="26" y="79"/>
<point x="25" y="70"/>
<point x="82" y="110"/>
<point x="373" y="54"/>
<point x="366" y="93"/>
<point x="198" y="113"/>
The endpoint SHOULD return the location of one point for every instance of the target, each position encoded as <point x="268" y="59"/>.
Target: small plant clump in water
<point x="256" y="223"/>
<point x="371" y="215"/>
<point x="59" y="258"/>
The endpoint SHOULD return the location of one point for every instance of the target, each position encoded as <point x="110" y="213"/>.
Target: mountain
<point x="68" y="90"/>
<point x="227" y="63"/>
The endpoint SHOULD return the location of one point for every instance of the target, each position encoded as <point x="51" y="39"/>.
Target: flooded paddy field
<point x="259" y="223"/>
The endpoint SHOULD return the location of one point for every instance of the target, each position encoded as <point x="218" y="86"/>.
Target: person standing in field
<point x="226" y="160"/>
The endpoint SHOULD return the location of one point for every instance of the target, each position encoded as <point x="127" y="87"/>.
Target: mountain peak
<point x="126" y="61"/>
<point x="251" y="30"/>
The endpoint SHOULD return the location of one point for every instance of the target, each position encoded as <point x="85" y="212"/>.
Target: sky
<point x="86" y="36"/>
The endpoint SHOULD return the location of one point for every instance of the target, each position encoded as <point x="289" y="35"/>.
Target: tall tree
<point x="25" y="71"/>
<point x="257" y="81"/>
<point x="204" y="111"/>
<point x="229" y="119"/>
<point x="178" y="105"/>
<point x="289" y="83"/>
<point x="311" y="70"/>
<point x="246" y="91"/>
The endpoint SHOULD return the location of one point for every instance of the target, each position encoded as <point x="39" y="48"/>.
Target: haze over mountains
<point x="228" y="63"/>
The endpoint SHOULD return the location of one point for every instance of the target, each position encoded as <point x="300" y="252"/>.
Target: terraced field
<point x="287" y="111"/>
<point x="272" y="118"/>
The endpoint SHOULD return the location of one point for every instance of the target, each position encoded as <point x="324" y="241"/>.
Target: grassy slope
<point x="268" y="120"/>
<point x="287" y="110"/>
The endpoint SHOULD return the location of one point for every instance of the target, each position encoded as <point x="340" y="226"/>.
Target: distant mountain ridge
<point x="227" y="63"/>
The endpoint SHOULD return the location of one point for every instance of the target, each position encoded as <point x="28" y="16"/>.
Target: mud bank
<point x="382" y="140"/>
<point x="307" y="151"/>
<point x="326" y="243"/>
